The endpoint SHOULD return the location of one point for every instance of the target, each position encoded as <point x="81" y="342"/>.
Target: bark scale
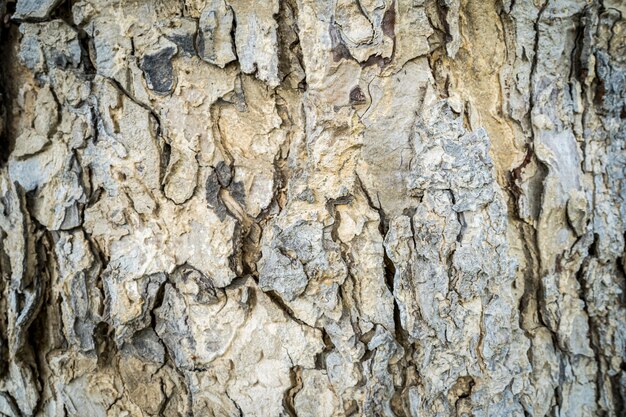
<point x="313" y="208"/>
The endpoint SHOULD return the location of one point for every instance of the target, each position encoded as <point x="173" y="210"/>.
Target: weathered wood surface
<point x="313" y="208"/>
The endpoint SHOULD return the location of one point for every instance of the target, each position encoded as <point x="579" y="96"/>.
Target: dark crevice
<point x="576" y="71"/>
<point x="287" y="311"/>
<point x="166" y="400"/>
<point x="619" y="392"/>
<point x="389" y="268"/>
<point x="390" y="272"/>
<point x="233" y="33"/>
<point x="331" y="208"/>
<point x="6" y="10"/>
<point x="295" y="375"/>
<point x="153" y="114"/>
<point x="515" y="177"/>
<point x="106" y="349"/>
<point x="462" y="389"/>
<point x="442" y="11"/>
<point x="11" y="402"/>
<point x="329" y="346"/>
<point x="166" y="155"/>
<point x="288" y="39"/>
<point x="239" y="411"/>
<point x="168" y="359"/>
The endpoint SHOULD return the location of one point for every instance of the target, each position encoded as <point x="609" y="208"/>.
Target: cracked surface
<point x="312" y="208"/>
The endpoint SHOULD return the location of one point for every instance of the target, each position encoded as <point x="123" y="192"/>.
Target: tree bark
<point x="313" y="208"/>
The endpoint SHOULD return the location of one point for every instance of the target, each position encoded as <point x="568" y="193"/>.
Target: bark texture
<point x="313" y="208"/>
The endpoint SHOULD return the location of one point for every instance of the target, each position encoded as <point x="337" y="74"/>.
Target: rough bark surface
<point x="313" y="208"/>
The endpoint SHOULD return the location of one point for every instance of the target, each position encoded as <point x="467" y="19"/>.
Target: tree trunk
<point x="313" y="208"/>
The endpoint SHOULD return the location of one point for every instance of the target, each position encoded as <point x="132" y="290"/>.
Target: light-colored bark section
<point x="313" y="208"/>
